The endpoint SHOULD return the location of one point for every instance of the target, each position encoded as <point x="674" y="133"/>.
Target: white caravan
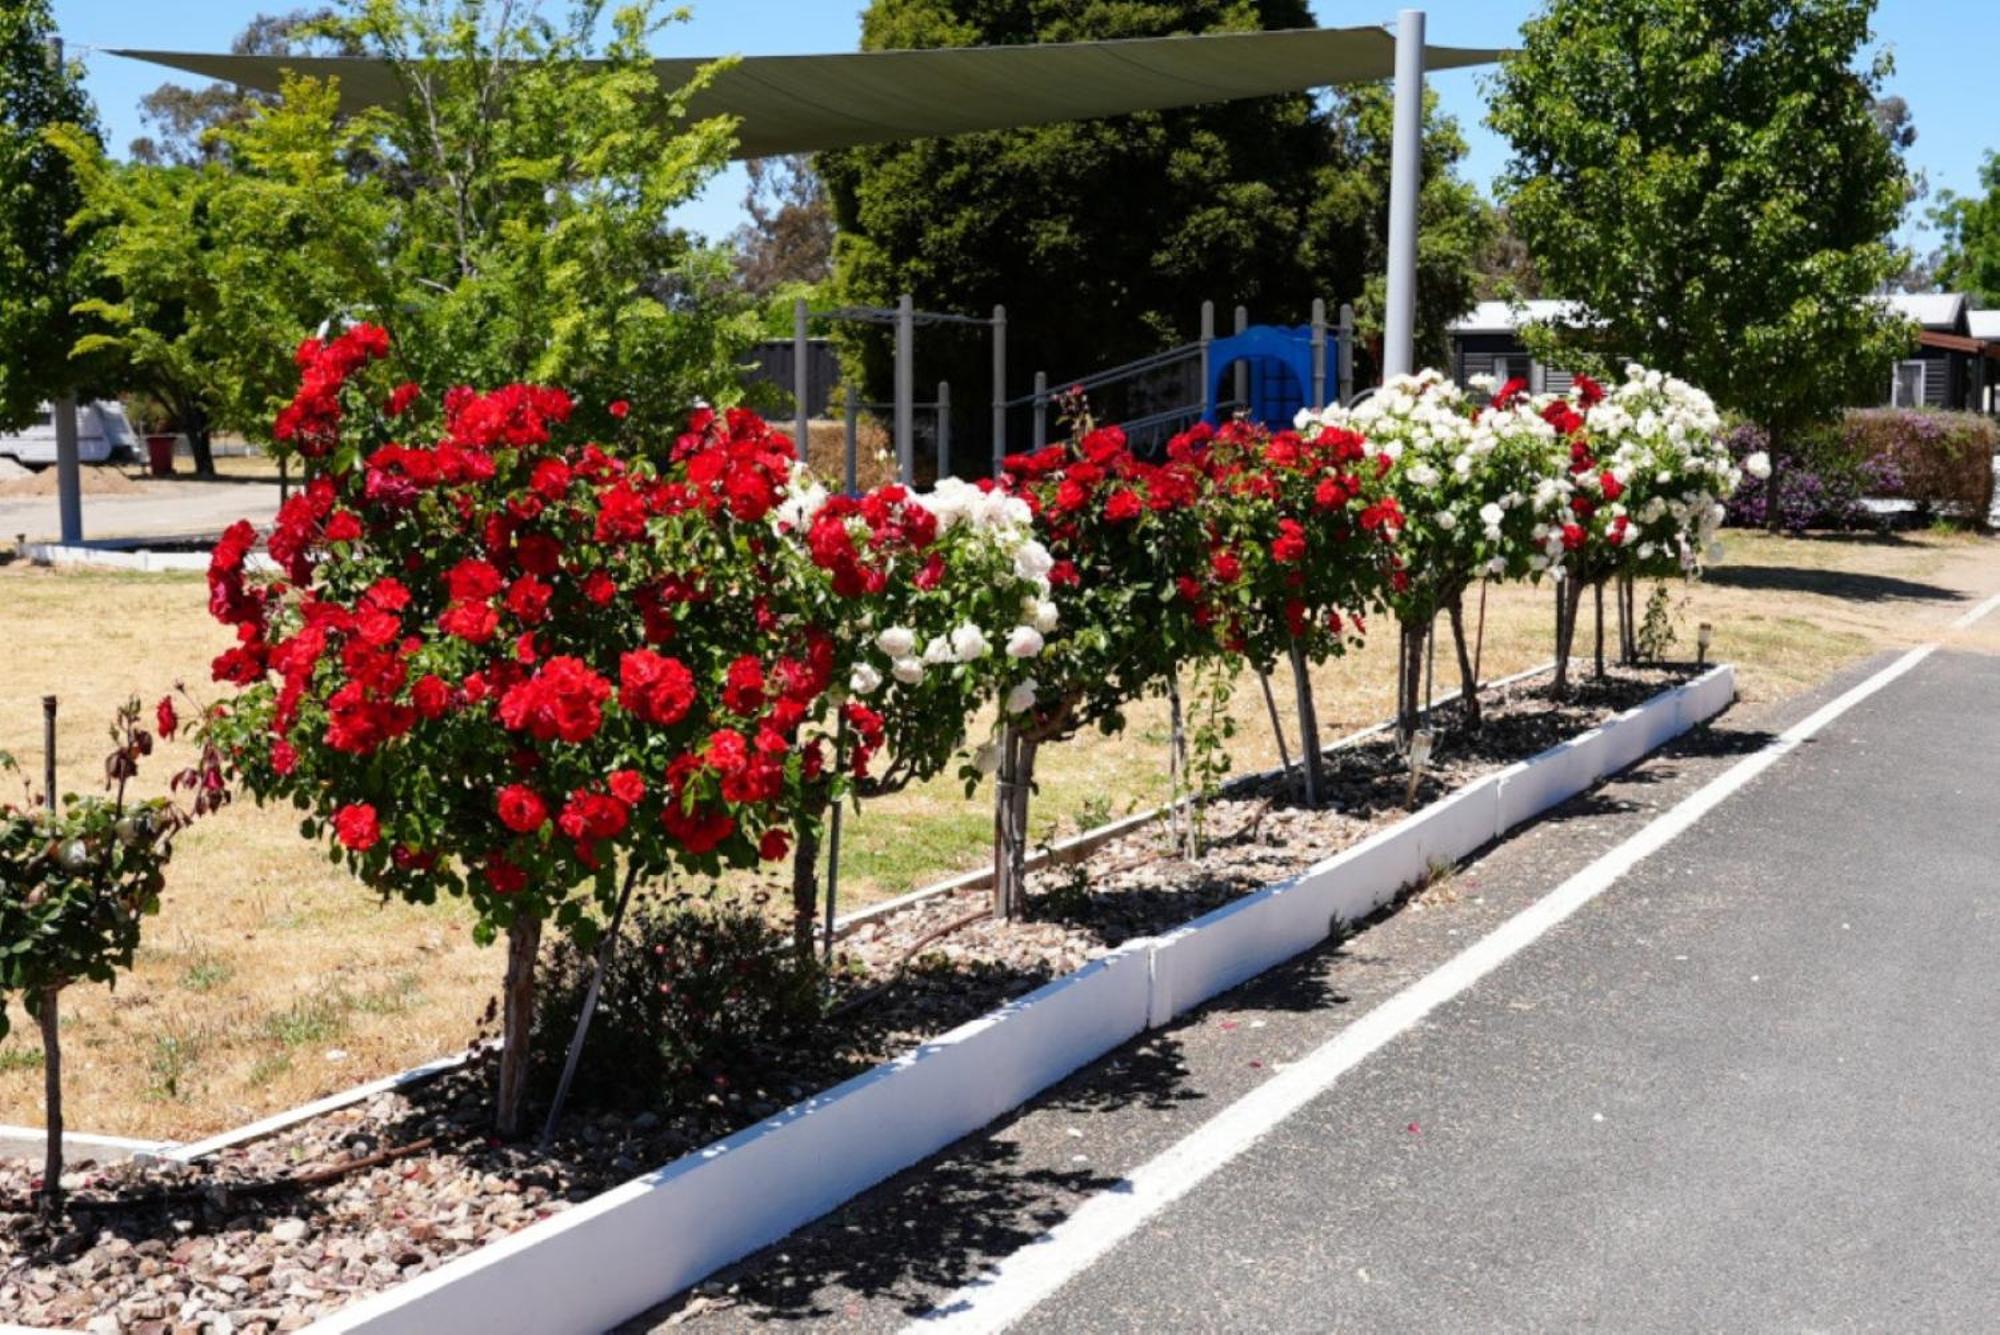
<point x="101" y="433"/>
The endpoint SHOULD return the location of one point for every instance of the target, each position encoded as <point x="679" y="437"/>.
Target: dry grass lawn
<point x="270" y="977"/>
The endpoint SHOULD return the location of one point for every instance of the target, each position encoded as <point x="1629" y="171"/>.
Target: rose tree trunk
<point x="524" y="939"/>
<point x="52" y="1162"/>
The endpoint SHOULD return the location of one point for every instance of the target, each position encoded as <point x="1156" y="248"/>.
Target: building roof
<point x="1985" y="324"/>
<point x="1504" y="317"/>
<point x="800" y="104"/>
<point x="1932" y="310"/>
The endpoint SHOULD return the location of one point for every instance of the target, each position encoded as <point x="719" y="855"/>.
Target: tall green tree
<point x="506" y="219"/>
<point x="1103" y="237"/>
<point x="214" y="272"/>
<point x="1710" y="183"/>
<point x="181" y="121"/>
<point x="39" y="277"/>
<point x="532" y="169"/>
<point x="1969" y="259"/>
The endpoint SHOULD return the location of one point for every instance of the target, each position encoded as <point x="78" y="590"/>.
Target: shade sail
<point x="798" y="104"/>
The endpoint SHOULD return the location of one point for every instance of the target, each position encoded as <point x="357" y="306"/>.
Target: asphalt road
<point x="1750" y="1086"/>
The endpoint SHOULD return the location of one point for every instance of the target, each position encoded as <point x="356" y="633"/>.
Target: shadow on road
<point x="1848" y="586"/>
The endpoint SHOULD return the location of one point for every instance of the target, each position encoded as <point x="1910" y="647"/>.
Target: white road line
<point x="1014" y="1287"/>
<point x="1976" y="613"/>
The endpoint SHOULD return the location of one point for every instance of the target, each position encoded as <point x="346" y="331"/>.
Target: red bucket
<point x="160" y="455"/>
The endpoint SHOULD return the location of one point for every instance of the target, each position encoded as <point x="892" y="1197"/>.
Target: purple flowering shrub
<point x="1943" y="461"/>
<point x="1819" y="486"/>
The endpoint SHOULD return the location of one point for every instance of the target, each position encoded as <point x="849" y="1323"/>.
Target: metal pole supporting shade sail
<point x="800" y="104"/>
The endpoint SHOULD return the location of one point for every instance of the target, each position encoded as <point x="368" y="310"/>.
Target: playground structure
<point x="1265" y="373"/>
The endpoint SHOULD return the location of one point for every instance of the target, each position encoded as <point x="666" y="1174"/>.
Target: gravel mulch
<point x="275" y="1234"/>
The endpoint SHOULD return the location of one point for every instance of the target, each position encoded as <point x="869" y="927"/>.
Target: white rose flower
<point x="1446" y="520"/>
<point x="1022" y="698"/>
<point x="909" y="671"/>
<point x="1045" y="617"/>
<point x="987" y="758"/>
<point x="939" y="650"/>
<point x="1491" y="515"/>
<point x="864" y="679"/>
<point x="897" y="642"/>
<point x="968" y="642"/>
<point x="1024" y="642"/>
<point x="1758" y="465"/>
<point x="1423" y="475"/>
<point x="1032" y="561"/>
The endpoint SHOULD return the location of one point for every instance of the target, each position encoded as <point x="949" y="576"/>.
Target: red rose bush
<point x="502" y="659"/>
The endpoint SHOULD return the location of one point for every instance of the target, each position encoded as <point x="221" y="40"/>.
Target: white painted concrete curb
<point x="640" y="1243"/>
<point x="593" y="1266"/>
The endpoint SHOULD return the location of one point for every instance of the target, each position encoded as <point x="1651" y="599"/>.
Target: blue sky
<point x="1947" y="54"/>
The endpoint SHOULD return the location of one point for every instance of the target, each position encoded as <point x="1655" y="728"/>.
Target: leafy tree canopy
<point x="1103" y="237"/>
<point x="508" y="218"/>
<point x="182" y="119"/>
<point x="1712" y="184"/>
<point x="38" y="193"/>
<point x="1970" y="258"/>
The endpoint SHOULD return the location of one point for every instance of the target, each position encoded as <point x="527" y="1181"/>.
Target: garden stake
<point x="1430" y="667"/>
<point x="589" y="1008"/>
<point x="1479" y="636"/>
<point x="49" y="752"/>
<point x="1177" y="766"/>
<point x="1271" y="704"/>
<point x="1599" y="592"/>
<point x="833" y="841"/>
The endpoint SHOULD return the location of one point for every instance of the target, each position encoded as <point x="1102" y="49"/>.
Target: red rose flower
<point x="627" y="786"/>
<point x="357" y="827"/>
<point x="654" y="687"/>
<point x="430" y="695"/>
<point x="1124" y="505"/>
<point x="471" y="580"/>
<point x="1290" y="544"/>
<point x="164" y="717"/>
<point x="618" y="408"/>
<point x="528" y="598"/>
<point x="522" y="809"/>
<point x="743" y="691"/>
<point x="773" y="846"/>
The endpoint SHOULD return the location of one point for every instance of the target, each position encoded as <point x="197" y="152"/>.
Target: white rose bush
<point x="939" y="604"/>
<point x="1477" y="489"/>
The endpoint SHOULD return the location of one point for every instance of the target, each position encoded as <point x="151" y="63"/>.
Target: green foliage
<point x="693" y="994"/>
<point x="1656" y="633"/>
<point x="1971" y="229"/>
<point x="1709" y="183"/>
<point x="535" y="247"/>
<point x="217" y="271"/>
<point x="1941" y="460"/>
<point x="77" y="878"/>
<point x="38" y="193"/>
<point x="507" y="219"/>
<point x="1103" y="237"/>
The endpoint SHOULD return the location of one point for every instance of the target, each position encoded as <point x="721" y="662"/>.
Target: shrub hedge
<point x="1943" y="461"/>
